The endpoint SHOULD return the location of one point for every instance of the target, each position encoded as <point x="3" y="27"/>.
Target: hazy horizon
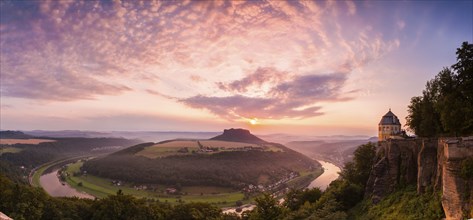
<point x="309" y="68"/>
<point x="156" y="136"/>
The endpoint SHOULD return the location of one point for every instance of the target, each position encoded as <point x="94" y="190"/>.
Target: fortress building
<point x="389" y="126"/>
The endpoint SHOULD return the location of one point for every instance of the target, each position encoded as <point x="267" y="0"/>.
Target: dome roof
<point x="389" y="119"/>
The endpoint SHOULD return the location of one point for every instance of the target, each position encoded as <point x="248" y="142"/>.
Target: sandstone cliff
<point x="430" y="164"/>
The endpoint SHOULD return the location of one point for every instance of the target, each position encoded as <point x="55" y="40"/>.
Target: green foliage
<point x="195" y="211"/>
<point x="20" y="201"/>
<point x="358" y="171"/>
<point x="446" y="106"/>
<point x="295" y="198"/>
<point x="347" y="194"/>
<point x="12" y="172"/>
<point x="267" y="208"/>
<point x="402" y="204"/>
<point x="329" y="210"/>
<point x="25" y="202"/>
<point x="216" y="169"/>
<point x="466" y="170"/>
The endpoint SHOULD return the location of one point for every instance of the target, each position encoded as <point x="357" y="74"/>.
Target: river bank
<point x="54" y="187"/>
<point x="330" y="174"/>
<point x="322" y="182"/>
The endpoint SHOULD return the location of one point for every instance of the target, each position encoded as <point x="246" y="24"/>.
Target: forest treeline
<point x="446" y="105"/>
<point x="17" y="165"/>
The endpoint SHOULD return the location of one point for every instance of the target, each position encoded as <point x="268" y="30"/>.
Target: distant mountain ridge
<point x="14" y="135"/>
<point x="145" y="136"/>
<point x="239" y="135"/>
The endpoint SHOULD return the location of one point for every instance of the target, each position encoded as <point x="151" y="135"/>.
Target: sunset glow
<point x="311" y="67"/>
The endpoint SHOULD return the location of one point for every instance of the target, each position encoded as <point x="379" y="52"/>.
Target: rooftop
<point x="389" y="119"/>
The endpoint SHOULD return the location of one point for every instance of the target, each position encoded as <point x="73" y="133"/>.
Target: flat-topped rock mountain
<point x="239" y="135"/>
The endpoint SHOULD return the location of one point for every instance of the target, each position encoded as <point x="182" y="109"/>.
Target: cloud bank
<point x="273" y="95"/>
<point x="266" y="59"/>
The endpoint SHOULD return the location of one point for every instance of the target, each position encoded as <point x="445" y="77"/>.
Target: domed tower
<point x="388" y="126"/>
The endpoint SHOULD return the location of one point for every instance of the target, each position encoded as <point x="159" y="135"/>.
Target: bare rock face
<point x="429" y="163"/>
<point x="378" y="181"/>
<point x="457" y="199"/>
<point x="396" y="165"/>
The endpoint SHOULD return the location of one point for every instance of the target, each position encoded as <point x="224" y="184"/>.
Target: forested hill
<point x="213" y="162"/>
<point x="31" y="155"/>
<point x="14" y="135"/>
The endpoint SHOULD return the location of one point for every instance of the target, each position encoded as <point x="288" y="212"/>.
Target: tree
<point x="358" y="171"/>
<point x="329" y="210"/>
<point x="464" y="69"/>
<point x="194" y="211"/>
<point x="267" y="208"/>
<point x="295" y="198"/>
<point x="446" y="104"/>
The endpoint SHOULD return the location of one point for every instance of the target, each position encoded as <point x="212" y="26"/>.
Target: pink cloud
<point x="288" y="96"/>
<point x="130" y="42"/>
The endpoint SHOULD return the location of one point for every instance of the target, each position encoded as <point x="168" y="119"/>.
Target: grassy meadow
<point x="172" y="147"/>
<point x="9" y="150"/>
<point x="102" y="187"/>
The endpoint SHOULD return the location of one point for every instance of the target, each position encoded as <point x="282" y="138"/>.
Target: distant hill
<point x="14" y="135"/>
<point x="335" y="151"/>
<point x="145" y="136"/>
<point x="239" y="135"/>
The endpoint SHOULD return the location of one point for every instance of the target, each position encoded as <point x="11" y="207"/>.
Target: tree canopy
<point x="446" y="105"/>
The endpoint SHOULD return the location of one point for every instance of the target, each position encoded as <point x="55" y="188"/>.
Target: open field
<point x="226" y="144"/>
<point x="9" y="150"/>
<point x="102" y="187"/>
<point x="156" y="151"/>
<point x="24" y="141"/>
<point x="192" y="146"/>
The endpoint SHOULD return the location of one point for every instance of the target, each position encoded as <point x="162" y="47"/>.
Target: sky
<point x="298" y="67"/>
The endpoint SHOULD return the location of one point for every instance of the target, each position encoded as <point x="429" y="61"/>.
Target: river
<point x="51" y="184"/>
<point x="330" y="174"/>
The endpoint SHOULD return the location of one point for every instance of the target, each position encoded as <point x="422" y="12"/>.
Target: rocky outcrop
<point x="457" y="192"/>
<point x="238" y="135"/>
<point x="427" y="165"/>
<point x="396" y="166"/>
<point x="430" y="164"/>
